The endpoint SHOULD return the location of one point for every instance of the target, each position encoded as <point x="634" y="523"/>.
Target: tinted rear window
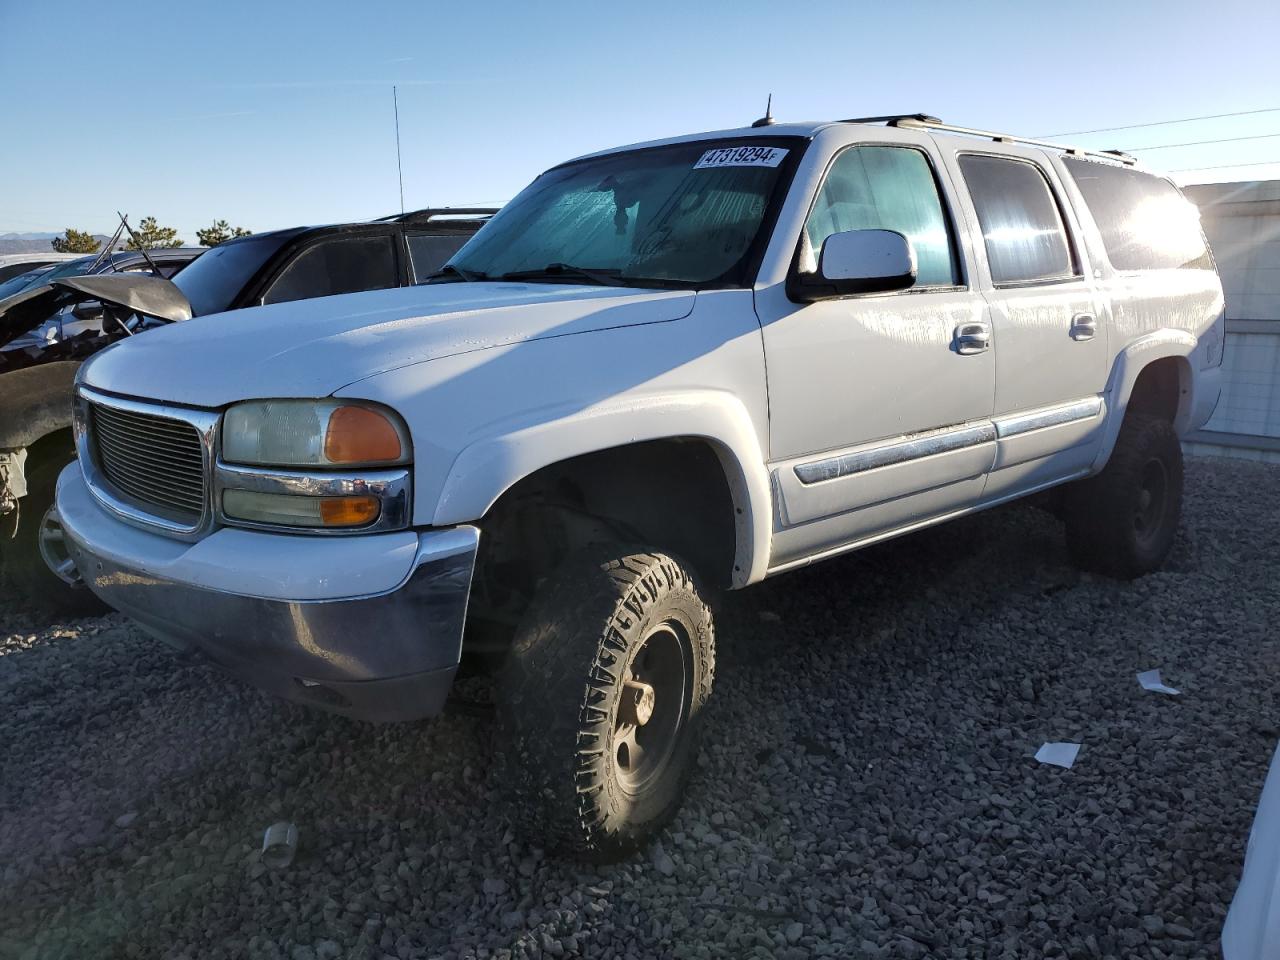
<point x="343" y="265"/>
<point x="1146" y="224"/>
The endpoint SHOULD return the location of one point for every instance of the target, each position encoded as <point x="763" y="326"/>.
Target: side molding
<point x="487" y="468"/>
<point x="887" y="454"/>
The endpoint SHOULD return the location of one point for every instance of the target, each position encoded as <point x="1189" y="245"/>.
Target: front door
<point x="879" y="404"/>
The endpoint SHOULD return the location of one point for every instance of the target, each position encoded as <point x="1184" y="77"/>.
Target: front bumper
<point x="370" y="627"/>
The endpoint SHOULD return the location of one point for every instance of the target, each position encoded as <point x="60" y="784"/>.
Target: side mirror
<point x="860" y="261"/>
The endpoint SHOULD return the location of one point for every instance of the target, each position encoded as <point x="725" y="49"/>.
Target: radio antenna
<point x="395" y="100"/>
<point x="767" y="120"/>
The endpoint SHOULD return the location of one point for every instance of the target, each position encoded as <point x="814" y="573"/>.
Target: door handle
<point x="973" y="338"/>
<point x="1084" y="326"/>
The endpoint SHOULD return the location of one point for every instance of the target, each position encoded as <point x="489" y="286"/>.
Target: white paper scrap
<point x="1150" y="680"/>
<point x="1058" y="754"/>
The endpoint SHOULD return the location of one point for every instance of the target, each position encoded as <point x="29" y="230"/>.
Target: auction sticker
<point x="741" y="157"/>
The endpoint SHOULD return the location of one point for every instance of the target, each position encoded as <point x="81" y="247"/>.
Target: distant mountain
<point x="14" y="242"/>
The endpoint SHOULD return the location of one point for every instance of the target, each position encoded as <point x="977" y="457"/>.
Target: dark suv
<point x="304" y="262"/>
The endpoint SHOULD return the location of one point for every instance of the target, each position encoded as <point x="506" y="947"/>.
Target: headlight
<point x="313" y="433"/>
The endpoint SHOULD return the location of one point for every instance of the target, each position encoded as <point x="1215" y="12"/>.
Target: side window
<point x="1146" y="224"/>
<point x="884" y="188"/>
<point x="1021" y="223"/>
<point x="341" y="265"/>
<point x="430" y="252"/>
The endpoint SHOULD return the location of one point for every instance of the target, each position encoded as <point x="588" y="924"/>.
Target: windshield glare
<point x="684" y="214"/>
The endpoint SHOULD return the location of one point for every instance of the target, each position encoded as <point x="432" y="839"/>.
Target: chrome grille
<point x="157" y="462"/>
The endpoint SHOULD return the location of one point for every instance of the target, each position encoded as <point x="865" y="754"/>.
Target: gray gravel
<point x="867" y="788"/>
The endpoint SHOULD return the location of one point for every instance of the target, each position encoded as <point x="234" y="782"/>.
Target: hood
<point x="150" y="296"/>
<point x="310" y="348"/>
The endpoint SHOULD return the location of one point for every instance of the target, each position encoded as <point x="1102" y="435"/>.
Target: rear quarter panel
<point x="1154" y="314"/>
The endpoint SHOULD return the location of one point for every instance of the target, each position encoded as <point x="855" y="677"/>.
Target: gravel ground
<point x="867" y="788"/>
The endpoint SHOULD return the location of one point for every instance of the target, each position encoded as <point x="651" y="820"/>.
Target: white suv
<point x="660" y="370"/>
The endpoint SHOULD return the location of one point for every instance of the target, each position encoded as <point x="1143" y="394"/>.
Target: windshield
<point x="687" y="214"/>
<point x="212" y="282"/>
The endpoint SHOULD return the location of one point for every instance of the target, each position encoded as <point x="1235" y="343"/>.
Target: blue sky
<point x="271" y="114"/>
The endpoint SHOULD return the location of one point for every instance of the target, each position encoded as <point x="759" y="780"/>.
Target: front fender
<point x="485" y="469"/>
<point x="1130" y="363"/>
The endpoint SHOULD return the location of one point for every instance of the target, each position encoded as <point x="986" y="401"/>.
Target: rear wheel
<point x="1122" y="522"/>
<point x="600" y="702"/>
<point x="38" y="559"/>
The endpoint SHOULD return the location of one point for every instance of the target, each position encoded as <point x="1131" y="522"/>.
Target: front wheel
<point x="1122" y="522"/>
<point x="600" y="701"/>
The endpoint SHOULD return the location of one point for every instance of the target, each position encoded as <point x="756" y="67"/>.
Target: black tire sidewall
<point x="655" y="805"/>
<point x="1100" y="510"/>
<point x="559" y="694"/>
<point x="1150" y="552"/>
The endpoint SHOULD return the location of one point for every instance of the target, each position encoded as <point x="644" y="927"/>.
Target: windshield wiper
<point x="450" y="272"/>
<point x="554" y="271"/>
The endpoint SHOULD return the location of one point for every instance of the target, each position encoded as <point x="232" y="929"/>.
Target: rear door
<point x="1049" y="319"/>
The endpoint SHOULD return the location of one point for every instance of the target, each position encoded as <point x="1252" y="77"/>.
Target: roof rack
<point x="443" y="213"/>
<point x="933" y="123"/>
<point x="894" y="117"/>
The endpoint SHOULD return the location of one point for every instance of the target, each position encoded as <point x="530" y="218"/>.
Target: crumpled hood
<point x="151" y="296"/>
<point x="310" y="348"/>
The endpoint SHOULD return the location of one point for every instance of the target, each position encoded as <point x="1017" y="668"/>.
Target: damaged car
<point x="48" y="329"/>
<point x="50" y="322"/>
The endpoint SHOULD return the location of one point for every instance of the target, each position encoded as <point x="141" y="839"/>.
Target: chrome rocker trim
<point x="946" y="440"/>
<point x="1085" y="409"/>
<point x="898" y="451"/>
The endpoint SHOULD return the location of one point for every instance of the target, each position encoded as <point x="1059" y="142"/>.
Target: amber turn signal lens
<point x="348" y="511"/>
<point x="360" y="435"/>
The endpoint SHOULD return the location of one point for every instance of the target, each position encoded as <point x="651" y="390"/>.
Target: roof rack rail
<point x="934" y="124"/>
<point x="444" y="213"/>
<point x="890" y="118"/>
<point x="441" y="213"/>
